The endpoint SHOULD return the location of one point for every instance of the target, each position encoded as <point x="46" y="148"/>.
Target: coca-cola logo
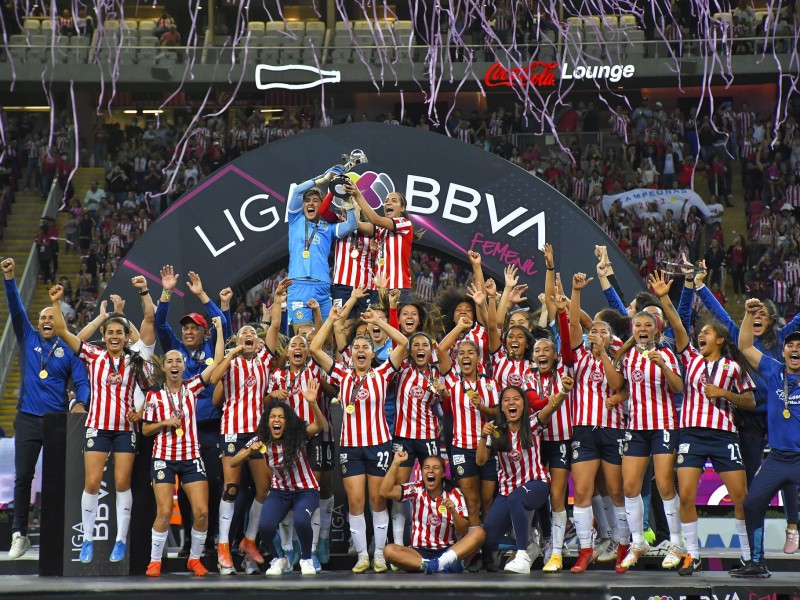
<point x="537" y="73"/>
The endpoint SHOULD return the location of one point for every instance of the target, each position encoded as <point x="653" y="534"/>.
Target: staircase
<point x="17" y="244"/>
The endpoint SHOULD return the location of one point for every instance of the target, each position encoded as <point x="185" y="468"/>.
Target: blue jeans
<point x="277" y="506"/>
<point x="512" y="510"/>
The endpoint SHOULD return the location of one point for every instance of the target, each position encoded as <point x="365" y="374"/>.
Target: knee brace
<point x="231" y="489"/>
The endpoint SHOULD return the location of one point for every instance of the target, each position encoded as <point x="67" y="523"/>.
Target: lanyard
<point x="427" y="378"/>
<point x="176" y="411"/>
<point x="290" y="384"/>
<point x="355" y="390"/>
<point x="43" y="361"/>
<point x="468" y="390"/>
<point x="786" y="392"/>
<point x="710" y="376"/>
<point x="540" y="386"/>
<point x="309" y="241"/>
<point x="115" y="368"/>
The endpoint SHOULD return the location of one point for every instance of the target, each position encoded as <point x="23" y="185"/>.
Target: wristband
<point x="166" y="295"/>
<point x="74" y="402"/>
<point x="550" y="268"/>
<point x="144" y="292"/>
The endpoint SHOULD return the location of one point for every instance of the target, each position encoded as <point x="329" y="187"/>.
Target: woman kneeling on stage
<point x="282" y="438"/>
<point x="439" y="518"/>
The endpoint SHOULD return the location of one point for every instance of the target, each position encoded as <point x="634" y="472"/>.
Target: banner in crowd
<point x="232" y="226"/>
<point x="643" y="201"/>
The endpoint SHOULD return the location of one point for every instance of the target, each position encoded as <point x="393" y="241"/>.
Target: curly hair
<point x="294" y="436"/>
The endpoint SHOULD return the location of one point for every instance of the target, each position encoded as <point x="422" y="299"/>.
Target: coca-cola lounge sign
<point x="542" y="74"/>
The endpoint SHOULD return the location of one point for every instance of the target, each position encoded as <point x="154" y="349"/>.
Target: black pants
<point x="752" y="441"/>
<point x="28" y="440"/>
<point x="208" y="436"/>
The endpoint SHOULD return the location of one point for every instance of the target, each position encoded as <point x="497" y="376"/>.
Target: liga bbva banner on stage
<point x="232" y="226"/>
<point x="642" y="201"/>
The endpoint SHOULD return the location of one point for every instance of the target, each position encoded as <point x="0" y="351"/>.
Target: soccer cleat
<point x="673" y="558"/>
<point x="154" y="569"/>
<point x="690" y="565"/>
<point x="521" y="563"/>
<point x="585" y="558"/>
<point x="87" y="551"/>
<point x="789" y="546"/>
<point x="609" y="554"/>
<point x="649" y="536"/>
<point x="752" y="570"/>
<point x="362" y="564"/>
<point x="248" y="547"/>
<point x="533" y="550"/>
<point x="317" y="564"/>
<point x="740" y="563"/>
<point x="601" y="546"/>
<point x="622" y="552"/>
<point x="324" y="550"/>
<point x="118" y="553"/>
<point x="296" y="552"/>
<point x="307" y="567"/>
<point x="455" y="567"/>
<point x="430" y="565"/>
<point x="379" y="563"/>
<point x="20" y="544"/>
<point x="184" y="551"/>
<point x="292" y="556"/>
<point x="660" y="549"/>
<point x="224" y="560"/>
<point x="547" y="551"/>
<point x="635" y="552"/>
<point x="278" y="566"/>
<point x="195" y="566"/>
<point x="250" y="567"/>
<point x="554" y="565"/>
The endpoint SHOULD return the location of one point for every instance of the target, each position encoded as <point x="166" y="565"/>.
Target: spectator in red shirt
<point x="570" y="120"/>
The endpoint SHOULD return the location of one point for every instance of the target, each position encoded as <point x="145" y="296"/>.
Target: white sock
<point x="225" y="516"/>
<point x="314" y="530"/>
<point x="398" y="522"/>
<point x="286" y="531"/>
<point x="325" y="517"/>
<point x="602" y="526"/>
<point x="611" y="517"/>
<point x="559" y="527"/>
<point x="89" y="508"/>
<point x="252" y="520"/>
<point x="623" y="531"/>
<point x="124" y="504"/>
<point x="744" y="544"/>
<point x="672" y="510"/>
<point x="380" y="529"/>
<point x="634" y="511"/>
<point x="158" y="540"/>
<point x="582" y="516"/>
<point x="690" y="533"/>
<point x="448" y="558"/>
<point x="198" y="541"/>
<point x="358" y="531"/>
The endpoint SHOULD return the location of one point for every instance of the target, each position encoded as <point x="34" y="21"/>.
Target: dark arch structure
<point x="233" y="224"/>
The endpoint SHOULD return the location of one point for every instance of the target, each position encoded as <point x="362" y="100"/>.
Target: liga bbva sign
<point x="234" y="223"/>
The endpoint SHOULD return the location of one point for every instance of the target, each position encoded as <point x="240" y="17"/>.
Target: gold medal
<point x="496" y="433"/>
<point x="179" y="432"/>
<point x="350" y="409"/>
<point x="381" y="262"/>
<point x="43" y="374"/>
<point x="209" y="361"/>
<point x="472" y="394"/>
<point x="442" y="509"/>
<point x="306" y="253"/>
<point x="354" y="254"/>
<point x="786" y="413"/>
<point x="646" y="354"/>
<point x="263" y="449"/>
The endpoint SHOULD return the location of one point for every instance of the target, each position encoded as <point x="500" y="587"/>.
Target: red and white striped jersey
<point x="426" y="287"/>
<point x="509" y="371"/>
<point x="650" y="405"/>
<point x="429" y="527"/>
<point x="394" y="253"/>
<point x="480" y="336"/>
<point x="297" y="476"/>
<point x="162" y="405"/>
<point x="698" y="409"/>
<point x="415" y="418"/>
<point x="245" y="384"/>
<point x="792" y="194"/>
<point x="518" y="466"/>
<point x="112" y="387"/>
<point x="324" y="402"/>
<point x="744" y="121"/>
<point x="590" y="393"/>
<point x="645" y="246"/>
<point x="580" y="189"/>
<point x="546" y="384"/>
<point x="355" y="272"/>
<point x="780" y="291"/>
<point x="366" y="424"/>
<point x="284" y="379"/>
<point x="468" y="421"/>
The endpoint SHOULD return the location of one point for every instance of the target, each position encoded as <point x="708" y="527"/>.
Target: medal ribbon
<point x="786" y="392"/>
<point x="308" y="241"/>
<point x="176" y="412"/>
<point x="43" y="361"/>
<point x="354" y="391"/>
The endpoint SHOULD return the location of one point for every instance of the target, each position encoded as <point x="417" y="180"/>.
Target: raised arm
<point x="399" y="341"/>
<point x="495" y="336"/>
<point x="311" y="394"/>
<point x="19" y="318"/>
<point x="166" y="336"/>
<point x="59" y="324"/>
<point x="318" y="343"/>
<point x="661" y="289"/>
<point x="346" y="227"/>
<point x="315" y="310"/>
<point x="579" y="282"/>
<point x="746" y="335"/>
<point x="278" y="298"/>
<point x="478" y="296"/>
<point x="390" y="489"/>
<point x="147" y="330"/>
<point x="450" y="339"/>
<point x="93" y="326"/>
<point x="510" y="284"/>
<point x="222" y="367"/>
<point x="366" y="210"/>
<point x="555" y="400"/>
<point x="549" y="281"/>
<point x="219" y="350"/>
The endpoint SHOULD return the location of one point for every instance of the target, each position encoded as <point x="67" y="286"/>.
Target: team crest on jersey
<point x="703" y="379"/>
<point x="416" y="392"/>
<point x="637" y="375"/>
<point x="160" y="475"/>
<point x="515" y="456"/>
<point x="231" y="448"/>
<point x="299" y="314"/>
<point x="596" y="376"/>
<point x="434" y="520"/>
<point x="574" y="454"/>
<point x="344" y="470"/>
<point x="59" y="352"/>
<point x="114" y="379"/>
<point x="89" y="443"/>
<point x="363" y="394"/>
<point x="680" y="459"/>
<point x="515" y="379"/>
<point x="250" y="381"/>
<point x="460" y="470"/>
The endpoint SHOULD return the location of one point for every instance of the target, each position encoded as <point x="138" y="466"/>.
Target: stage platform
<point x="647" y="581"/>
